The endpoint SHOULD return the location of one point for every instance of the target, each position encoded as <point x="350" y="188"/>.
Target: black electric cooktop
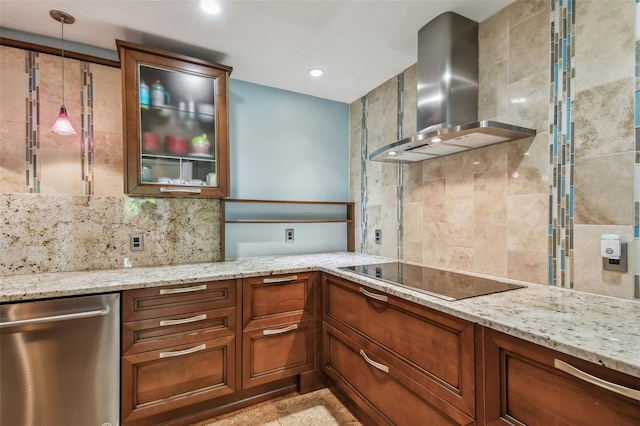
<point x="434" y="282"/>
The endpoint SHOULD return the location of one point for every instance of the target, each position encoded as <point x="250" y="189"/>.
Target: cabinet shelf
<point x="269" y="212"/>
<point x="206" y="158"/>
<point x="291" y="221"/>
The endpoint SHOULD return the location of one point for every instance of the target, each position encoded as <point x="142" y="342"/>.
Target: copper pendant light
<point x="62" y="126"/>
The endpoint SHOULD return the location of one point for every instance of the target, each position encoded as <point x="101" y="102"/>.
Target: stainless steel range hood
<point x="448" y="96"/>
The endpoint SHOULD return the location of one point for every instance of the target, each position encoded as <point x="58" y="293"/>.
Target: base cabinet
<point x="529" y="384"/>
<point x="279" y="334"/>
<point x="370" y="377"/>
<point x="376" y="346"/>
<point x="179" y="347"/>
<point x="197" y="350"/>
<point x="194" y="351"/>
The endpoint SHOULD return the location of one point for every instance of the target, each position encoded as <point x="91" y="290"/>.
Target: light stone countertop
<point x="595" y="328"/>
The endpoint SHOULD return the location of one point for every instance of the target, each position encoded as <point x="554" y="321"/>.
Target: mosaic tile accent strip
<point x="363" y="181"/>
<point x="32" y="122"/>
<point x="87" y="147"/>
<point x="636" y="194"/>
<point x="33" y="155"/>
<point x="561" y="143"/>
<point x="400" y="178"/>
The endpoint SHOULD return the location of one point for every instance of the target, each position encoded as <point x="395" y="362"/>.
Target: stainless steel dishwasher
<point x="60" y="362"/>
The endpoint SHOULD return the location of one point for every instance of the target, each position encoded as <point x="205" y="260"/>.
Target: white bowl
<point x="206" y="112"/>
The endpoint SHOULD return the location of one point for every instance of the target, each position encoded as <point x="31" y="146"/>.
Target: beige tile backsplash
<point x="487" y="210"/>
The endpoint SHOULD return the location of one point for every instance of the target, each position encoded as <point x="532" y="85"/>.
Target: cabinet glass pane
<point x="177" y="126"/>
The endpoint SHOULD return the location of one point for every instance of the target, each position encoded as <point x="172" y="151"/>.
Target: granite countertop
<point x="595" y="328"/>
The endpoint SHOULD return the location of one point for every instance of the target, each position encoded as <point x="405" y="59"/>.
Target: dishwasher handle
<point x="53" y="318"/>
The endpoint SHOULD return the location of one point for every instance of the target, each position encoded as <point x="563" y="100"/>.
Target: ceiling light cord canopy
<point x="62" y="125"/>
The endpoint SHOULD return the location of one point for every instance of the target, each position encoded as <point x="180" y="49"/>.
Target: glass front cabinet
<point x="176" y="130"/>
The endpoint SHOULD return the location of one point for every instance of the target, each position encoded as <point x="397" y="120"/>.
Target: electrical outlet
<point x="136" y="242"/>
<point x="378" y="236"/>
<point x="288" y="235"/>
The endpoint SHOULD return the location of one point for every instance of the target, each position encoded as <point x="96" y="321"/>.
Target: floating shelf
<point x="277" y="215"/>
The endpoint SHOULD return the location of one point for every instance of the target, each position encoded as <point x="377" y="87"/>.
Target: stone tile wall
<point x="485" y="210"/>
<point x="488" y="210"/>
<point x="61" y="198"/>
<point x="604" y="141"/>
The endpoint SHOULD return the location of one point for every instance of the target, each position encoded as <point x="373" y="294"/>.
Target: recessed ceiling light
<point x="392" y="153"/>
<point x="436" y="140"/>
<point x="315" y="72"/>
<point x="210" y="6"/>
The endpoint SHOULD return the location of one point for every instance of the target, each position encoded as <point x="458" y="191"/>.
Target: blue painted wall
<point x="286" y="145"/>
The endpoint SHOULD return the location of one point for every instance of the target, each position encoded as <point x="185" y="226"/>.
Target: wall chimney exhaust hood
<point x="448" y="96"/>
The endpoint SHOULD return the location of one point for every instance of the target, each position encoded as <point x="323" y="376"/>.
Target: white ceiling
<point x="358" y="43"/>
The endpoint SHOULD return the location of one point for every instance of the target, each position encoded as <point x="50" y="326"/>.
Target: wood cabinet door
<point x="370" y="378"/>
<point x="174" y="145"/>
<point x="270" y="354"/>
<point x="436" y="349"/>
<point x="159" y="381"/>
<point x="278" y="299"/>
<point x="524" y="385"/>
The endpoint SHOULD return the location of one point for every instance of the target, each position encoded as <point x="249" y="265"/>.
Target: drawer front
<point x="177" y="299"/>
<point x="157" y="333"/>
<point x="167" y="379"/>
<point x="370" y="379"/>
<point x="278" y="298"/>
<point x="275" y="353"/>
<point x="521" y="377"/>
<point x="439" y="347"/>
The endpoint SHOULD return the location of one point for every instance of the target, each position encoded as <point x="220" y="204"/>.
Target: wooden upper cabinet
<point x="175" y="124"/>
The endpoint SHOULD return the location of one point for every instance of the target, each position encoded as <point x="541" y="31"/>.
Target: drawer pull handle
<point x="279" y="280"/>
<point x="377" y="365"/>
<point x="188" y="190"/>
<point x="619" y="389"/>
<point x="183" y="320"/>
<point x="280" y="330"/>
<point x="183" y="289"/>
<point x="379" y="297"/>
<point x="183" y="352"/>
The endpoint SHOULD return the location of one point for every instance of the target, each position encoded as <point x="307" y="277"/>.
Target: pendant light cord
<point x="62" y="21"/>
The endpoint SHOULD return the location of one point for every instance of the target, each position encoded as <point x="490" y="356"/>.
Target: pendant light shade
<point x="62" y="126"/>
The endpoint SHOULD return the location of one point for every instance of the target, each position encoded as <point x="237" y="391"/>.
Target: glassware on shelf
<point x="147" y="174"/>
<point x="144" y="95"/>
<point x="159" y="95"/>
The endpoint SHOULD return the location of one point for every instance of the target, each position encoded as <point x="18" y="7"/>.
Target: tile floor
<point x="320" y="408"/>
